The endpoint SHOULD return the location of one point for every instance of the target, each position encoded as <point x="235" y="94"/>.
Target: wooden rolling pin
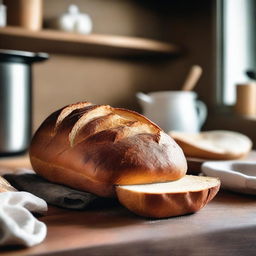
<point x="192" y="78"/>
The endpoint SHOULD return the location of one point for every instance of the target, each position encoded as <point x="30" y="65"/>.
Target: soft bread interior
<point x="186" y="184"/>
<point x="97" y="125"/>
<point x="67" y="110"/>
<point x="97" y="112"/>
<point x="219" y="142"/>
<point x="160" y="200"/>
<point x="134" y="129"/>
<point x="136" y="117"/>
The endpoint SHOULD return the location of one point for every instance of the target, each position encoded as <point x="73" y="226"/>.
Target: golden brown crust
<point x="129" y="151"/>
<point x="72" y="178"/>
<point x="163" y="205"/>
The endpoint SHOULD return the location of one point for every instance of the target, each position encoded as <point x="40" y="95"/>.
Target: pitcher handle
<point x="144" y="97"/>
<point x="202" y="112"/>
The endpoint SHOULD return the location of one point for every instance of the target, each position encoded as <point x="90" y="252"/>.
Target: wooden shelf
<point x="53" y="41"/>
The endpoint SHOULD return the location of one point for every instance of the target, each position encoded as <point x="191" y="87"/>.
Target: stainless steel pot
<point x="15" y="99"/>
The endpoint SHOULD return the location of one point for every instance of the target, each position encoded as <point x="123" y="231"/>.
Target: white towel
<point x="18" y="226"/>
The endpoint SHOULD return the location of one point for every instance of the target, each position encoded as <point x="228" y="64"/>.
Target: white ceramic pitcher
<point x="174" y="110"/>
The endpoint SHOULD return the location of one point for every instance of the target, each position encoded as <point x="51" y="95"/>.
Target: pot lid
<point x="22" y="56"/>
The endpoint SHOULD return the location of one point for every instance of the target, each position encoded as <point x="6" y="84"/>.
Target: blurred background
<point x="126" y="46"/>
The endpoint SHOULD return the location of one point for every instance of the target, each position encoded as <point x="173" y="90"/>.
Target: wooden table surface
<point x="226" y="226"/>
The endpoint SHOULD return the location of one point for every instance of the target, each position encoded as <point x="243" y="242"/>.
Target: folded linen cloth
<point x="54" y="194"/>
<point x="18" y="226"/>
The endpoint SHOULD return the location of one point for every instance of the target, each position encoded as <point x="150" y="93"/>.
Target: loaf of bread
<point x="160" y="200"/>
<point x="96" y="147"/>
<point x="214" y="145"/>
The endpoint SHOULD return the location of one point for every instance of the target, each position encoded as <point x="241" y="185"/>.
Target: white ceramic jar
<point x="174" y="110"/>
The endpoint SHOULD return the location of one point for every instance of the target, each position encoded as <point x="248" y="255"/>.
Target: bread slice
<point x="215" y="145"/>
<point x="161" y="200"/>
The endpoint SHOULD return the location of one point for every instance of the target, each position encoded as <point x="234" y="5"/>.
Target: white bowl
<point x="238" y="176"/>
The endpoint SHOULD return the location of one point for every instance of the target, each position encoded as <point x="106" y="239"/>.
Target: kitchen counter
<point x="226" y="226"/>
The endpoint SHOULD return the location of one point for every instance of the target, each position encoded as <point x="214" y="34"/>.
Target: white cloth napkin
<point x="18" y="226"/>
